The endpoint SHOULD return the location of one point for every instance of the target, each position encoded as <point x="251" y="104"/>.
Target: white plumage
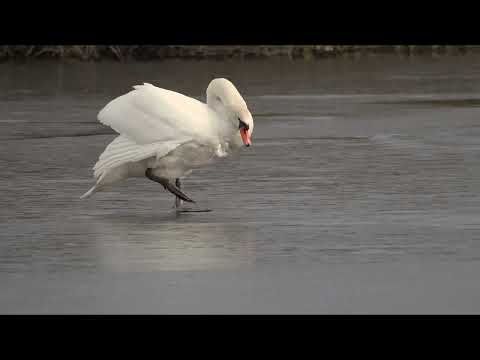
<point x="170" y="133"/>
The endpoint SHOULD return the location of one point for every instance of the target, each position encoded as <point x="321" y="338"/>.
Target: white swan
<point x="164" y="135"/>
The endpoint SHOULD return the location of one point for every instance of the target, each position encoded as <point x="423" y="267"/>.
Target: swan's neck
<point x="227" y="133"/>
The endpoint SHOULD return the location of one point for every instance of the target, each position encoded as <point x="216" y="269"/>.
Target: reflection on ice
<point x="168" y="243"/>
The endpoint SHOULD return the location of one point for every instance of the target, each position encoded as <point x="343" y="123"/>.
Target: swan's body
<point x="170" y="134"/>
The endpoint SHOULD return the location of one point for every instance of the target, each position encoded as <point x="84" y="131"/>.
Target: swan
<point x="164" y="135"/>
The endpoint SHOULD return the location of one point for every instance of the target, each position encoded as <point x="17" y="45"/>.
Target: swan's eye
<point x="218" y="99"/>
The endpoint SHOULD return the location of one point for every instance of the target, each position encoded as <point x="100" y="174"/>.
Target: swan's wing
<point x="151" y="122"/>
<point x="123" y="150"/>
<point x="150" y="114"/>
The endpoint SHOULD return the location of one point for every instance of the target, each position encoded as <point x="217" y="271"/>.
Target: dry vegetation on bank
<point x="159" y="52"/>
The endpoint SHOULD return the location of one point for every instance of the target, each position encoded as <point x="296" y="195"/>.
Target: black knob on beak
<point x="242" y="125"/>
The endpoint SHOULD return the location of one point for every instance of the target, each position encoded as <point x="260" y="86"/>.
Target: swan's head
<point x="224" y="98"/>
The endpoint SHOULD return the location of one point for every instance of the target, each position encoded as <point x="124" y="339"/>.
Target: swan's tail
<point x="120" y="151"/>
<point x="89" y="193"/>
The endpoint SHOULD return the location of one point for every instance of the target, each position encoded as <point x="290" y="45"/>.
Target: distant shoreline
<point x="162" y="52"/>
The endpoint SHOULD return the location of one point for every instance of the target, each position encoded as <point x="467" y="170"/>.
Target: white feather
<point x="122" y="150"/>
<point x="150" y="114"/>
<point x="168" y="131"/>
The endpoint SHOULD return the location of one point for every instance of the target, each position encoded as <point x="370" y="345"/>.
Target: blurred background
<point x="161" y="52"/>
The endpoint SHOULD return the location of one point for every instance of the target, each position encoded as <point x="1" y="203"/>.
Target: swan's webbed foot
<point x="185" y="210"/>
<point x="189" y="210"/>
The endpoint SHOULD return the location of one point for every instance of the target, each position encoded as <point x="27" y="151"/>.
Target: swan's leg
<point x="178" y="201"/>
<point x="168" y="185"/>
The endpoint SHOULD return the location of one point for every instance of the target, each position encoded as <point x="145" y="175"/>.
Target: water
<point x="359" y="194"/>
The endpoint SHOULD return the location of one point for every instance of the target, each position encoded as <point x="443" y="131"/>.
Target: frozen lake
<point x="360" y="193"/>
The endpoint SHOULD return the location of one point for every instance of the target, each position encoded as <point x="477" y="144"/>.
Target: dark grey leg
<point x="168" y="186"/>
<point x="178" y="201"/>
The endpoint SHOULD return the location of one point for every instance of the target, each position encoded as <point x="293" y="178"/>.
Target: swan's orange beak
<point x="245" y="137"/>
